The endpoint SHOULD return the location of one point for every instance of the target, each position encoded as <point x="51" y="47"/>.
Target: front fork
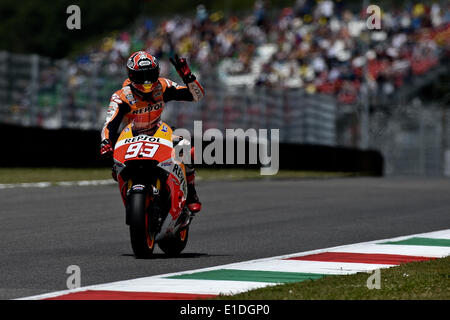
<point x="153" y="201"/>
<point x="152" y="198"/>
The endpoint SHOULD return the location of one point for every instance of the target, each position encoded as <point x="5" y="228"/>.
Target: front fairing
<point x="157" y="147"/>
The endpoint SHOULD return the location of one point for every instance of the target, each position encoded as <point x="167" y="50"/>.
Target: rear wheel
<point x="141" y="234"/>
<point x="174" y="245"/>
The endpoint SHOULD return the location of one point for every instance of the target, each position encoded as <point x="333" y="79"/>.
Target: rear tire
<point x="174" y="245"/>
<point x="142" y="239"/>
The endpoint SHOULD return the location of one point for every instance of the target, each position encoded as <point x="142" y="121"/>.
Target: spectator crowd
<point x="320" y="45"/>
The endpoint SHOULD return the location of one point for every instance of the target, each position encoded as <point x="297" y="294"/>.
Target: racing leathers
<point x="144" y="110"/>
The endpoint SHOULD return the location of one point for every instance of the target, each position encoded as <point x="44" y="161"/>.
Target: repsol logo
<point x="179" y="173"/>
<point x="153" y="107"/>
<point x="141" y="138"/>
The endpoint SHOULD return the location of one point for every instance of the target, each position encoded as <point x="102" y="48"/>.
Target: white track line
<point x="409" y="250"/>
<point x="46" y="184"/>
<point x="159" y="284"/>
<point x="321" y="267"/>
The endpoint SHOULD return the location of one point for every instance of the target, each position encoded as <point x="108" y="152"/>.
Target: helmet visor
<point x="144" y="76"/>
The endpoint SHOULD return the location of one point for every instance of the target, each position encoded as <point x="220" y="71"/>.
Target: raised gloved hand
<point x="183" y="69"/>
<point x="106" y="149"/>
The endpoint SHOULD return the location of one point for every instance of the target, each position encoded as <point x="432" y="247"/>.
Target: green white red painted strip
<point x="418" y="241"/>
<point x="249" y="275"/>
<point x="243" y="276"/>
<point x="351" y="257"/>
<point x="126" y="295"/>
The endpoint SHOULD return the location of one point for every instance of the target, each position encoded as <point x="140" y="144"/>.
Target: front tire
<point x="141" y="235"/>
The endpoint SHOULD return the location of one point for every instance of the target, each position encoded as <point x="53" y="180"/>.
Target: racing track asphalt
<point x="44" y="230"/>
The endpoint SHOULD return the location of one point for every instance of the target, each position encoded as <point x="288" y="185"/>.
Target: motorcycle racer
<point x="141" y="100"/>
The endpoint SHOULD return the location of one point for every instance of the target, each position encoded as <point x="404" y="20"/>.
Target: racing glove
<point x="106" y="149"/>
<point x="183" y="69"/>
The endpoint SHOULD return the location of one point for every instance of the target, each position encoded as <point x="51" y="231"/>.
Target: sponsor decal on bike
<point x="166" y="164"/>
<point x="177" y="171"/>
<point x="138" y="187"/>
<point x="142" y="138"/>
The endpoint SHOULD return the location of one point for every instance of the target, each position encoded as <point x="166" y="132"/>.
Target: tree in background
<point x="39" y="26"/>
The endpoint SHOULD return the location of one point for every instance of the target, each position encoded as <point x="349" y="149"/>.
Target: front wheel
<point x="141" y="234"/>
<point x="174" y="245"/>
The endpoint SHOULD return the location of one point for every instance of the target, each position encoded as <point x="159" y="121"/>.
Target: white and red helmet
<point x="143" y="71"/>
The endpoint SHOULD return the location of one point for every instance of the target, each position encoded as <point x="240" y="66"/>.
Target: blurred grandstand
<point x="309" y="69"/>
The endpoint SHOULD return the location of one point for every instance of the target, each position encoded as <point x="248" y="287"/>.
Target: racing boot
<point x="114" y="174"/>
<point x="192" y="201"/>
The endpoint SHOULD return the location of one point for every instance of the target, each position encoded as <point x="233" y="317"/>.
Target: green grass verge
<point x="412" y="281"/>
<point x="24" y="175"/>
<point x="220" y="174"/>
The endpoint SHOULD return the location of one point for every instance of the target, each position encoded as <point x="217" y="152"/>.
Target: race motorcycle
<point x="153" y="187"/>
